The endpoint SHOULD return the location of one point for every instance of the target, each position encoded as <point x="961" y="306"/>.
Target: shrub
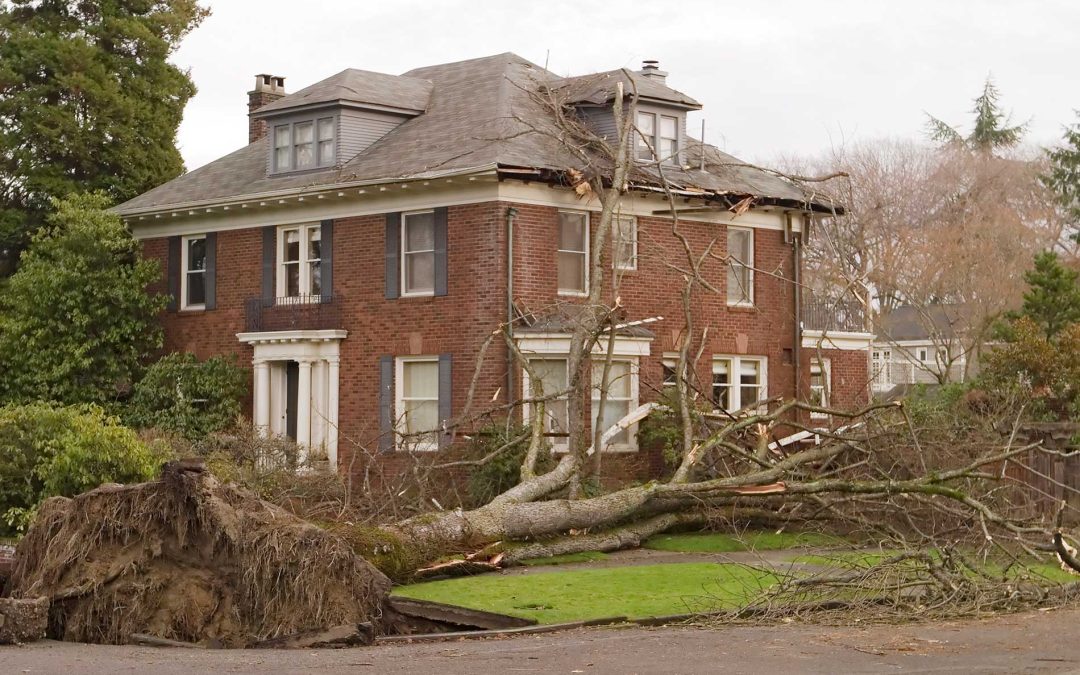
<point x="503" y="471"/>
<point x="182" y="395"/>
<point x="1044" y="371"/>
<point x="47" y="450"/>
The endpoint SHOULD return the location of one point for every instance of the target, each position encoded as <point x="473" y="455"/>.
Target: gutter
<point x="302" y="191"/>
<point x="796" y="255"/>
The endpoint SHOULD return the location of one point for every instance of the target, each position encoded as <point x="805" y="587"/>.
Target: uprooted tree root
<point x="190" y="559"/>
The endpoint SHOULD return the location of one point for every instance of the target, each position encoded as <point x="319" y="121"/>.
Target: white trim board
<point x="849" y="341"/>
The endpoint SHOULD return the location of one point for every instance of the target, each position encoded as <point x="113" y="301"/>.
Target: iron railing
<point x="303" y="312"/>
<point x="834" y="315"/>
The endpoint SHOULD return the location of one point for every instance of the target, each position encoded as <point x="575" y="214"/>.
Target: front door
<point x="292" y="380"/>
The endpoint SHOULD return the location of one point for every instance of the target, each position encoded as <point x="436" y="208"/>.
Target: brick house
<point x="377" y="228"/>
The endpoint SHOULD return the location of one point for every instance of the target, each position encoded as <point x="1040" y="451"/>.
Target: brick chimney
<point x="268" y="88"/>
<point x="651" y="70"/>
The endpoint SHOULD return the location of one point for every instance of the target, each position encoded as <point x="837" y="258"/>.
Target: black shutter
<point x="386" y="403"/>
<point x="445" y="400"/>
<point x="173" y="270"/>
<point x="440" y="250"/>
<point x="269" y="250"/>
<point x="210" y="277"/>
<point x="393" y="252"/>
<point x="326" y="242"/>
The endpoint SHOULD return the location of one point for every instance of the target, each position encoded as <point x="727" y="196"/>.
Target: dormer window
<point x="304" y="145"/>
<point x="658" y="138"/>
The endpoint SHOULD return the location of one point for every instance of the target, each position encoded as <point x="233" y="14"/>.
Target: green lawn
<point x="714" y="542"/>
<point x="573" y="595"/>
<point x="1035" y="571"/>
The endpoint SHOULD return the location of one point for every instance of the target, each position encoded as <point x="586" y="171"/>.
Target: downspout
<point x="511" y="213"/>
<point x="796" y="256"/>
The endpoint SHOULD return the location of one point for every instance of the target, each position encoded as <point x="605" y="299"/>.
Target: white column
<point x="333" y="368"/>
<point x="262" y="396"/>
<point x="303" y="407"/>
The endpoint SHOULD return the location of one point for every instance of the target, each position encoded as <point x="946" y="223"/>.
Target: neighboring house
<point x="357" y="252"/>
<point x="915" y="345"/>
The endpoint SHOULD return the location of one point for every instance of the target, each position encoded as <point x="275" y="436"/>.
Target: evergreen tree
<point x="1052" y="300"/>
<point x="1063" y="178"/>
<point x="88" y="102"/>
<point x="992" y="129"/>
<point x="76" y="322"/>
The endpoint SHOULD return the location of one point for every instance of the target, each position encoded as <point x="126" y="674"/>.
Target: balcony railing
<point x="832" y="315"/>
<point x="303" y="312"/>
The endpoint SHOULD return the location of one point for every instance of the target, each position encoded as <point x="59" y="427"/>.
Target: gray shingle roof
<point x="359" y="86"/>
<point x="904" y="323"/>
<point x="599" y="88"/>
<point x="473" y="120"/>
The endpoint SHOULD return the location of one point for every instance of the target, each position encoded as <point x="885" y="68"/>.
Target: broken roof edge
<point x="302" y="191"/>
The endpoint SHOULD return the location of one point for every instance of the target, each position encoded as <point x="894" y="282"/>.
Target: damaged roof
<point x="599" y="88"/>
<point x="478" y="115"/>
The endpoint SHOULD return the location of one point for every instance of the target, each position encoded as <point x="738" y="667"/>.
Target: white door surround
<point x="317" y="354"/>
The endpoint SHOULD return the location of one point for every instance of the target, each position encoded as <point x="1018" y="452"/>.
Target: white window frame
<point x="184" y="272"/>
<point x="584" y="254"/>
<point x="557" y="444"/>
<point x="748" y="264"/>
<point x="617" y="221"/>
<point x="670" y="361"/>
<point x="672" y="158"/>
<point x="633" y="401"/>
<point x="291" y="144"/>
<point x="399" y="404"/>
<point x="405" y="292"/>
<point x="824" y="368"/>
<point x="642" y="142"/>
<point x="305" y="278"/>
<point x="922" y="354"/>
<point x="734" y="372"/>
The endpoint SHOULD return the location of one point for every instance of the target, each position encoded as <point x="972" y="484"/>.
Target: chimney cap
<point x="650" y="64"/>
<point x="650" y="68"/>
<point x="270" y="83"/>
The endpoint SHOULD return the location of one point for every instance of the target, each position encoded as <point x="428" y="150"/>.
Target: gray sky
<point x="775" y="76"/>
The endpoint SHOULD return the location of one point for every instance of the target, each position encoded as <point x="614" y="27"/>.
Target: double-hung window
<point x="418" y="402"/>
<point x="306" y="144"/>
<point x="820" y="385"/>
<point x="418" y="253"/>
<point x="669" y="372"/>
<point x="573" y="255"/>
<point x="624" y="239"/>
<point x="740" y="275"/>
<point x="300" y="262"/>
<point x="646" y="126"/>
<point x="552" y="373"/>
<point x="738" y="382"/>
<point x="193" y="265"/>
<point x="622" y="394"/>
<point x="669" y="139"/>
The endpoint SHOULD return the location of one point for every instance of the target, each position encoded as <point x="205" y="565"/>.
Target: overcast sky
<point x="775" y="77"/>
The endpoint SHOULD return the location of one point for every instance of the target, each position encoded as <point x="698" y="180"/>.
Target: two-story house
<point x="377" y="228"/>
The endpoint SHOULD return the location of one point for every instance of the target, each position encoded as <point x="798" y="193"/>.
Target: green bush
<point x="182" y="395"/>
<point x="48" y="450"/>
<point x="503" y="471"/>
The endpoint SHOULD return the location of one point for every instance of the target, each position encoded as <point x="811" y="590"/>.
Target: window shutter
<point x="440" y="250"/>
<point x="393" y="255"/>
<point x="173" y="267"/>
<point x="386" y="403"/>
<point x="326" y="241"/>
<point x="445" y="400"/>
<point x="210" y="277"/>
<point x="269" y="246"/>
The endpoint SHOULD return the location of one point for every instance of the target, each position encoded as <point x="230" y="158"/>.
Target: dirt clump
<point x="23" y="620"/>
<point x="190" y="559"/>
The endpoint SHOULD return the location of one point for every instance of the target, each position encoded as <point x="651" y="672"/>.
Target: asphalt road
<point x="1033" y="642"/>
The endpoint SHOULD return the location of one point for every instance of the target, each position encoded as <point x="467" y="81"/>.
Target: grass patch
<point x="715" y="542"/>
<point x="566" y="558"/>
<point x="635" y="592"/>
<point x="1033" y="571"/>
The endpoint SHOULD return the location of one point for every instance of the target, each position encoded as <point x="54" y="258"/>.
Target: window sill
<point x="193" y="309"/>
<point x="573" y="294"/>
<point x="742" y="307"/>
<point x="425" y="294"/>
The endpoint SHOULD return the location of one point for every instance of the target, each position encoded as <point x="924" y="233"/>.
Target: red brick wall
<point x="476" y="303"/>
